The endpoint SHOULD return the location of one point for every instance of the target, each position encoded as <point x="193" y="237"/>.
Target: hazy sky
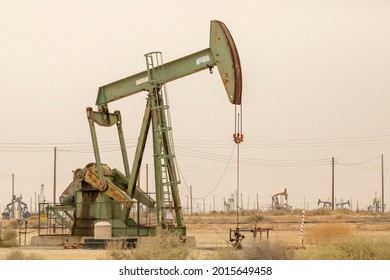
<point x="315" y="86"/>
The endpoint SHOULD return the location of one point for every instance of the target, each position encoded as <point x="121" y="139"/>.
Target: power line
<point x="319" y="142"/>
<point x="341" y="162"/>
<point x="185" y="144"/>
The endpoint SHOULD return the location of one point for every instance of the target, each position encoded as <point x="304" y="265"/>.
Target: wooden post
<point x="333" y="184"/>
<point x="13" y="186"/>
<point x="55" y="175"/>
<point x="383" y="187"/>
<point x="191" y="199"/>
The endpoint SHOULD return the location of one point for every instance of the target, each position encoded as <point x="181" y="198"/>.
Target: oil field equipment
<point x="325" y="204"/>
<point x="229" y="204"/>
<point x="99" y="193"/>
<point x="342" y="203"/>
<point x="16" y="209"/>
<point x="236" y="237"/>
<point x="375" y="206"/>
<point x="280" y="201"/>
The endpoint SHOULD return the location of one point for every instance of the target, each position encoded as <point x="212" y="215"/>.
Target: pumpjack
<point x="16" y="209"/>
<point x="100" y="193"/>
<point x="375" y="206"/>
<point x="342" y="203"/>
<point x="280" y="201"/>
<point x="325" y="204"/>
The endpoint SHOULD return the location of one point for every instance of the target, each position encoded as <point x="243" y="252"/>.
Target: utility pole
<point x="191" y="199"/>
<point x="383" y="187"/>
<point x="147" y="179"/>
<point x="55" y="183"/>
<point x="188" y="203"/>
<point x="13" y="186"/>
<point x="333" y="183"/>
<point x="55" y="176"/>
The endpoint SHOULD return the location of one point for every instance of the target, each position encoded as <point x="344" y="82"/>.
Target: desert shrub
<point x="8" y="238"/>
<point x="280" y="212"/>
<point x="166" y="245"/>
<point x="382" y="217"/>
<point x="227" y="253"/>
<point x="233" y="213"/>
<point x="382" y="251"/>
<point x="296" y="211"/>
<point x="19" y="255"/>
<point x="256" y="217"/>
<point x="34" y="256"/>
<point x="216" y="213"/>
<point x="319" y="212"/>
<point x="33" y="221"/>
<point x="222" y="220"/>
<point x="117" y="251"/>
<point x="344" y="211"/>
<point x="15" y="255"/>
<point x="356" y="248"/>
<point x="362" y="212"/>
<point x="268" y="251"/>
<point x="263" y="251"/>
<point x="195" y="220"/>
<point x="10" y="224"/>
<point x="325" y="233"/>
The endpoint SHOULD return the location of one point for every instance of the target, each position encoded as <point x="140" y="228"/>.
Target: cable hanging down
<point x="238" y="137"/>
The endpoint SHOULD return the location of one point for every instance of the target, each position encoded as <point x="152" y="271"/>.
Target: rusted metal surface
<point x="108" y="187"/>
<point x="92" y="178"/>
<point x="227" y="60"/>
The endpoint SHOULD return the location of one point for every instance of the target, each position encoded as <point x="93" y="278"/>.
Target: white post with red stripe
<point x="302" y="225"/>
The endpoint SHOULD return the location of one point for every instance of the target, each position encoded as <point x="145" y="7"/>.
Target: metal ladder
<point x="162" y="131"/>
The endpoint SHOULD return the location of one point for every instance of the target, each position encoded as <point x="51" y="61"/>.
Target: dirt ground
<point x="212" y="232"/>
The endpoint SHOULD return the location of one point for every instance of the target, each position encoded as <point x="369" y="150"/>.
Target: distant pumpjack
<point x="280" y="201"/>
<point x="341" y="204"/>
<point x="325" y="204"/>
<point x="17" y="209"/>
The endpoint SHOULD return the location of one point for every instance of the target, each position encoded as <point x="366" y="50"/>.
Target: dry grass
<point x="19" y="255"/>
<point x="117" y="251"/>
<point x="8" y="238"/>
<point x="327" y="232"/>
<point x="169" y="246"/>
<point x="10" y="224"/>
<point x="166" y="245"/>
<point x="329" y="235"/>
<point x="32" y="222"/>
<point x="338" y="241"/>
<point x="263" y="251"/>
<point x="356" y="248"/>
